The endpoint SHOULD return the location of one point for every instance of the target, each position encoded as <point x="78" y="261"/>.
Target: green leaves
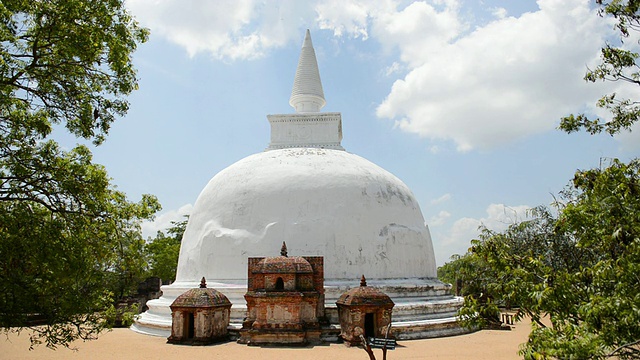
<point x="163" y="251"/>
<point x="69" y="241"/>
<point x="70" y="59"/>
<point x="578" y="270"/>
<point x="617" y="64"/>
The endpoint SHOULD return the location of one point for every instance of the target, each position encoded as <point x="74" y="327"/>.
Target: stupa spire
<point x="308" y="127"/>
<point x="307" y="94"/>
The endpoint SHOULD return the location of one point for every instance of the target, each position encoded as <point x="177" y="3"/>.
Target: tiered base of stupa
<point x="424" y="308"/>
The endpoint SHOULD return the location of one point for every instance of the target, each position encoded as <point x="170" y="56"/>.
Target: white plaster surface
<point x="331" y="203"/>
<point x="307" y="94"/>
<point x="316" y="130"/>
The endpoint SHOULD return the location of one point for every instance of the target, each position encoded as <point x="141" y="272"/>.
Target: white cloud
<point x="417" y="30"/>
<point x="456" y="240"/>
<point x="508" y="79"/>
<point x="441" y="199"/>
<point x="439" y="219"/>
<point x="499" y="12"/>
<point x="163" y="221"/>
<point x="344" y="17"/>
<point x="229" y="30"/>
<point x="392" y="69"/>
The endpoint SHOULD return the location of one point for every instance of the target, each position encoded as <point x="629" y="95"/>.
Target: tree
<point x="617" y="64"/>
<point x="579" y="269"/>
<point x="472" y="277"/>
<point x="163" y="251"/>
<point x="63" y="226"/>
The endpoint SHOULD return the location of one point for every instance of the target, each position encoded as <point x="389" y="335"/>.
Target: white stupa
<point x="306" y="190"/>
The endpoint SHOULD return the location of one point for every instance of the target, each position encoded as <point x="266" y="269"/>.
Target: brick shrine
<point x="199" y="317"/>
<point x="366" y="308"/>
<point x="285" y="300"/>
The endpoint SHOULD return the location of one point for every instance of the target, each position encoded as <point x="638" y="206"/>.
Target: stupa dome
<point x="361" y="218"/>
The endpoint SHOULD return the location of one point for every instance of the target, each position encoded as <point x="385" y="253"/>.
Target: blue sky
<point x="458" y="98"/>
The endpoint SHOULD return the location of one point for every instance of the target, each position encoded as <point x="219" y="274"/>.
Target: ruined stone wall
<point x="253" y="281"/>
<point x="317" y="264"/>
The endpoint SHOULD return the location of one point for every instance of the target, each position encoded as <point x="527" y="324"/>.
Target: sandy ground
<point x="128" y="345"/>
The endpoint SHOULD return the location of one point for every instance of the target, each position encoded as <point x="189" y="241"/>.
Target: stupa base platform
<point x="402" y="330"/>
<point x="283" y="337"/>
<point x="424" y="308"/>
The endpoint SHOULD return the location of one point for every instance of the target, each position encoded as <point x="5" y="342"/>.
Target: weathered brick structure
<point x="285" y="300"/>
<point x="366" y="308"/>
<point x="199" y="317"/>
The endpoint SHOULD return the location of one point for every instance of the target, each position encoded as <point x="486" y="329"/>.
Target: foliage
<point x="121" y="316"/>
<point x="469" y="272"/>
<point x="470" y="276"/>
<point x="163" y="251"/>
<point x="580" y="269"/>
<point x="65" y="62"/>
<point x="617" y="64"/>
<point x="67" y="237"/>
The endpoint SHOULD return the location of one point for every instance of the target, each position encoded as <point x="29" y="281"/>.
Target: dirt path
<point x="128" y="345"/>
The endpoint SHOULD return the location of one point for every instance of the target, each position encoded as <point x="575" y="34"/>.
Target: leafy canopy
<point x="163" y="251"/>
<point x="579" y="269"/>
<point x="66" y="233"/>
<point x="618" y="63"/>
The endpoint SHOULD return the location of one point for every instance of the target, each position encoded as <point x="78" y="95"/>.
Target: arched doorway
<point x="279" y="284"/>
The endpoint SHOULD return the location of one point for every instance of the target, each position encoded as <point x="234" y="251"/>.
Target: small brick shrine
<point x="199" y="316"/>
<point x="285" y="300"/>
<point x="366" y="308"/>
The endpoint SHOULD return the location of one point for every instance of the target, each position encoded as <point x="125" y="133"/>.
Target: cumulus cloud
<point x="417" y="30"/>
<point x="441" y="199"/>
<point x="499" y="12"/>
<point x="510" y="78"/>
<point x="439" y="219"/>
<point x="163" y="221"/>
<point x="228" y="30"/>
<point x="456" y="239"/>
<point x="344" y="17"/>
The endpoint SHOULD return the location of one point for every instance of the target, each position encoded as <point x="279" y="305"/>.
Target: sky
<point x="460" y="99"/>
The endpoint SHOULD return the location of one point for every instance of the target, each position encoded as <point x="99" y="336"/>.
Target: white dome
<point x="331" y="203"/>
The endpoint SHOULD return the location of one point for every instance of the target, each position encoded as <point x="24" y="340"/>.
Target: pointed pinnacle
<point x="283" y="250"/>
<point x="307" y="94"/>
